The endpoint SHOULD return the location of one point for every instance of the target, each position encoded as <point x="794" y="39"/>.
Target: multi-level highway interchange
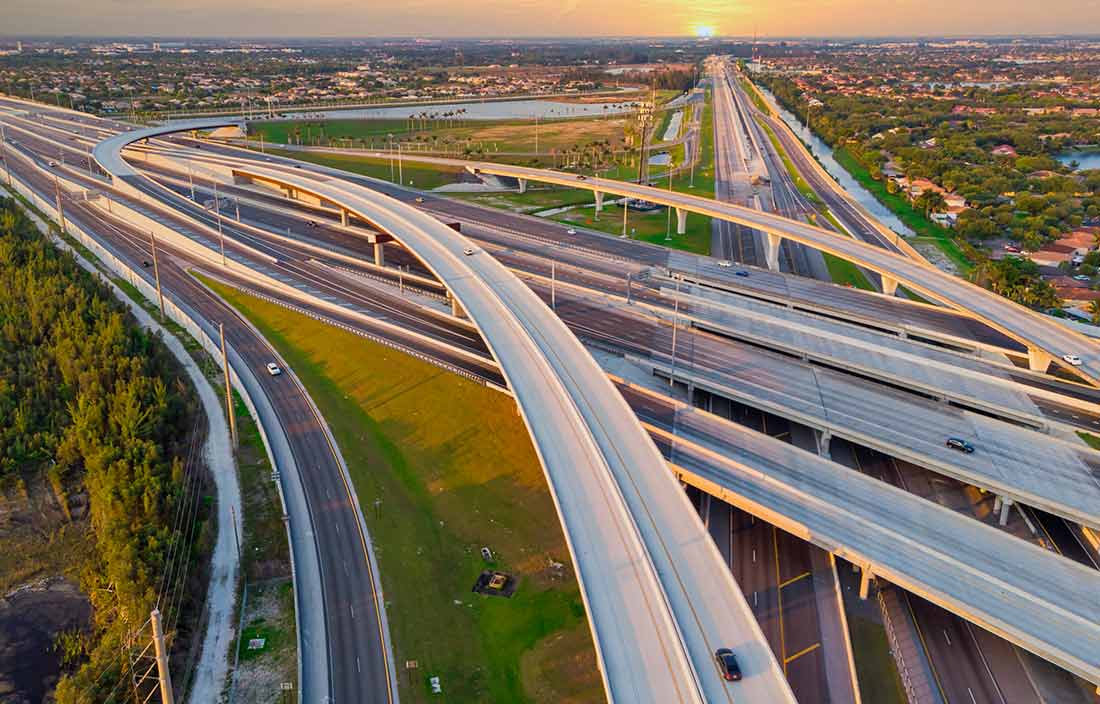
<point x="637" y="370"/>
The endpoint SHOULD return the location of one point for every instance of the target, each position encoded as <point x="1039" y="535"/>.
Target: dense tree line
<point x="99" y="404"/>
<point x="1030" y="197"/>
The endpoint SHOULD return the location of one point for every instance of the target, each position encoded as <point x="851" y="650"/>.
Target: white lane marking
<point x="351" y="607"/>
<point x="946" y="637"/>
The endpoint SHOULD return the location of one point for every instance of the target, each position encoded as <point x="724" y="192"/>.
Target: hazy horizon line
<point x="578" y="37"/>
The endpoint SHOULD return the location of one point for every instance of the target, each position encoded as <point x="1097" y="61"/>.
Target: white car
<point x="273" y="369"/>
<point x="467" y="251"/>
<point x="419" y="199"/>
<point x="1072" y="359"/>
<point x="570" y="231"/>
<point x="725" y="264"/>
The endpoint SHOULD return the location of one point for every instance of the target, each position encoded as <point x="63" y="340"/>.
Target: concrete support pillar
<point x="823" y="438"/>
<point x="1038" y="360"/>
<point x="522" y="185"/>
<point x="456" y="308"/>
<point x="889" y="285"/>
<point x="681" y="221"/>
<point x="343" y="217"/>
<point x="997" y="503"/>
<point x="379" y="255"/>
<point x="865" y="578"/>
<point x="1006" y="504"/>
<point x="772" y="251"/>
<point x="599" y="201"/>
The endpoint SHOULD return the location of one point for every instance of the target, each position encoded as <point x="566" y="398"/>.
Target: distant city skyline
<point x="546" y="18"/>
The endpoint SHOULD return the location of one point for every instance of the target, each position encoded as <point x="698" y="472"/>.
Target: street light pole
<point x="675" y="325"/>
<point x="218" y="213"/>
<point x="57" y="196"/>
<point x="553" y="284"/>
<point x="156" y="272"/>
<point x="191" y="179"/>
<point x="4" y="153"/>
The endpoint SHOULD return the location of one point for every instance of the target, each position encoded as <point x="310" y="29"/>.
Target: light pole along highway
<point x="659" y="597"/>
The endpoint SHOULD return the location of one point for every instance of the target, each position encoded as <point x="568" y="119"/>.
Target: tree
<point x="1094" y="311"/>
<point x="930" y="201"/>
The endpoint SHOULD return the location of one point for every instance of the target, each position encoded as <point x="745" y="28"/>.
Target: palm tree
<point x="1094" y="311"/>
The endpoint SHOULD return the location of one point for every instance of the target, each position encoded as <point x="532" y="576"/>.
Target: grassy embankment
<point x="447" y="467"/>
<point x="516" y="135"/>
<point x="651" y="227"/>
<point x="841" y="271"/>
<point x="510" y="140"/>
<point x="900" y="206"/>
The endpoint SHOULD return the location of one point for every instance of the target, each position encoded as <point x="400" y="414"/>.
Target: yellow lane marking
<point x="802" y="652"/>
<point x="792" y="580"/>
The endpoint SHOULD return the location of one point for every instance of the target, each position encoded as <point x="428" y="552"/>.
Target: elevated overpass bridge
<point x="1046" y="341"/>
<point x="659" y="597"/>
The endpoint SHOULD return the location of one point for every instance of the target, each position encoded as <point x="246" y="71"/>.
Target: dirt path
<point x="212" y="668"/>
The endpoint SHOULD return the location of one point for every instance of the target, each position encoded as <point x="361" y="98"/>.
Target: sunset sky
<point x="527" y="18"/>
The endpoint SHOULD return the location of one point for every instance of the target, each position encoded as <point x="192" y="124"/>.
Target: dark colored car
<point x="960" y="445"/>
<point x="727" y="664"/>
<point x="741" y="272"/>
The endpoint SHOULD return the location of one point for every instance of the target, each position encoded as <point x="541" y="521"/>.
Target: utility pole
<point x="166" y="694"/>
<point x="228" y="388"/>
<point x="57" y="196"/>
<point x="626" y="208"/>
<point x="237" y="203"/>
<point x="156" y="272"/>
<point x="218" y="212"/>
<point x="400" y="165"/>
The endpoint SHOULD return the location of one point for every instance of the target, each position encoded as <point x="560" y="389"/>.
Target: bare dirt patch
<point x="31" y="617"/>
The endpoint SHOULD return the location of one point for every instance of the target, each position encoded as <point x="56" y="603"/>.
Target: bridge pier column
<point x="1006" y="504"/>
<point x="379" y="255"/>
<point x="771" y="253"/>
<point x="343" y="217"/>
<point x="823" y="438"/>
<point x="865" y="577"/>
<point x="456" y="308"/>
<point x="1038" y="360"/>
<point x="522" y="185"/>
<point x="599" y="201"/>
<point x="681" y="221"/>
<point x="889" y="285"/>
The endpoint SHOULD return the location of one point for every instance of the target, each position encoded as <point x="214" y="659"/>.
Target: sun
<point x="704" y="31"/>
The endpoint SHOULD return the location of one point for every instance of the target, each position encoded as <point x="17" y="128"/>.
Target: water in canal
<point x="824" y="154"/>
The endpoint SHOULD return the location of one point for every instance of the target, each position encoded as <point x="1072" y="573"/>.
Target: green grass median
<point x="444" y="466"/>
